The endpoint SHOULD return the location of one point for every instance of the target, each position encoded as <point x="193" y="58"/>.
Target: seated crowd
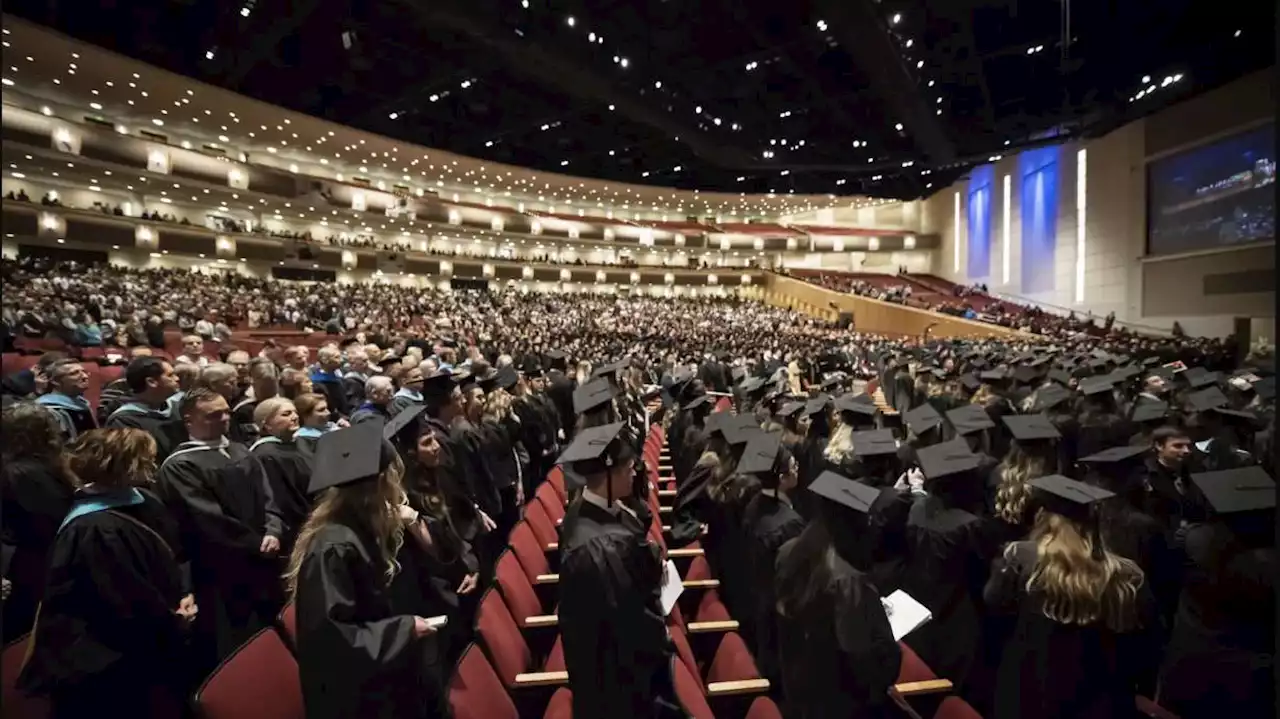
<point x="1085" y="520"/>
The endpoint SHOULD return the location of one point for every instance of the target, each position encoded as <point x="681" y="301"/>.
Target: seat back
<point x="476" y="692"/>
<point x="552" y="503"/>
<point x="519" y="594"/>
<point x="531" y="554"/>
<point x="288" y="624"/>
<point x="689" y="692"/>
<point x="764" y="708"/>
<point x="502" y="638"/>
<point x="258" y="681"/>
<point x="954" y="707"/>
<point x="698" y="570"/>
<point x="732" y="661"/>
<point x="560" y="706"/>
<point x="555" y="478"/>
<point x="543" y="528"/>
<point x="685" y="655"/>
<point x="14" y="703"/>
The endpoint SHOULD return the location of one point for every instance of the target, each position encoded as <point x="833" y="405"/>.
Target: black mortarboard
<point x="816" y="404"/>
<point x="752" y="385"/>
<point x="737" y="373"/>
<point x="1099" y="354"/>
<point x="1062" y="377"/>
<point x="611" y="368"/>
<point x="590" y="453"/>
<point x="555" y="359"/>
<point x="1150" y="411"/>
<point x="507" y="378"/>
<point x="922" y="419"/>
<point x="968" y="419"/>
<point x="350" y="455"/>
<point x="1232" y="491"/>
<point x="1068" y="497"/>
<point x="1025" y="375"/>
<point x="1206" y="399"/>
<point x="994" y="375"/>
<point x="845" y="491"/>
<point x="790" y="409"/>
<point x="733" y="429"/>
<point x="1115" y="454"/>
<point x="1164" y="373"/>
<point x="832" y="382"/>
<point x="1236" y="417"/>
<point x="1095" y="385"/>
<point x="697" y="402"/>
<point x="1150" y="361"/>
<point x="852" y="404"/>
<point x="406" y="417"/>
<point x="761" y="453"/>
<point x="970" y="382"/>
<point x="946" y="459"/>
<point x="592" y="396"/>
<point x="466" y="380"/>
<point x="1030" y="427"/>
<point x="439" y="384"/>
<point x="1050" y="396"/>
<point x="874" y="442"/>
<point x="1125" y="373"/>
<point x="1265" y="388"/>
<point x="488" y="382"/>
<point x="1203" y="379"/>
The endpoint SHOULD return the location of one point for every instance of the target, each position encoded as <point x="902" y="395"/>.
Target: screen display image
<point x="1216" y="195"/>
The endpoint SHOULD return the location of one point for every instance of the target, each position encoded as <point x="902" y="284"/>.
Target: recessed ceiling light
<point x="898" y="127"/>
<point x="7" y="82"/>
<point x="46" y="110"/>
<point x="95" y="106"/>
<point x="208" y="55"/>
<point x="624" y="62"/>
<point x="157" y="122"/>
<point x="897" y="18"/>
<point x="570" y="21"/>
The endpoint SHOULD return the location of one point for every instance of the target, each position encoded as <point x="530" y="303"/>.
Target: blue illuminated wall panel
<point x="981" y="181"/>
<point x="1039" y="202"/>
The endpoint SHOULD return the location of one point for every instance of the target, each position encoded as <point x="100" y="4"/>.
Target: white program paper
<point x="905" y="614"/>
<point x="672" y="588"/>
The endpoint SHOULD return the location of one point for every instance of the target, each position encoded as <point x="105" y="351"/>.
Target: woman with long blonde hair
<point x="1008" y="490"/>
<point x="1085" y="617"/>
<point x="356" y="657"/>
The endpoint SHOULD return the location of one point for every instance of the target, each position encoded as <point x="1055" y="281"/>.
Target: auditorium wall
<point x="918" y="261"/>
<point x="1031" y="252"/>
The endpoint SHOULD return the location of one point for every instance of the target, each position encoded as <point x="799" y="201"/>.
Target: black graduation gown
<point x="288" y="469"/>
<point x="948" y="551"/>
<point x="35" y="498"/>
<point x="616" y="646"/>
<point x="167" y="430"/>
<point x="809" y="464"/>
<point x="688" y="511"/>
<point x="1221" y="654"/>
<point x="369" y="412"/>
<point x="225" y="505"/>
<point x="692" y="445"/>
<point x="331" y="387"/>
<point x="1051" y="670"/>
<point x="353" y="388"/>
<point x="725" y="546"/>
<point x="401" y="402"/>
<point x="769" y="521"/>
<point x="355" y="657"/>
<point x="243" y="429"/>
<point x="838" y="657"/>
<point x="108" y="635"/>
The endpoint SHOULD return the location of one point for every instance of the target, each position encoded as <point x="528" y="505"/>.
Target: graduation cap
<point x="1150" y="361"/>
<point x="1031" y="427"/>
<point x="439" y="384"/>
<point x="968" y="419"/>
<point x="592" y="396"/>
<point x="845" y="491"/>
<point x="466" y="381"/>
<point x="507" y="378"/>
<point x="488" y="382"/>
<point x="1125" y="373"/>
<point x="1060" y="376"/>
<point x="752" y="385"/>
<point x="738" y="373"/>
<point x="1025" y="375"/>
<point x="831" y="383"/>
<point x="1206" y="399"/>
<point x="790" y="409"/>
<point x="1067" y="497"/>
<point x="1265" y="388"/>
<point x="874" y="442"/>
<point x="346" y="456"/>
<point x="922" y="418"/>
<point x="1150" y="411"/>
<point x="594" y="449"/>
<point x="816" y="405"/>
<point x="1115" y="454"/>
<point x="994" y="375"/>
<point x="1202" y="380"/>
<point x="402" y="420"/>
<point x="1095" y="385"/>
<point x="612" y="368"/>
<point x="1164" y="373"/>
<point x="946" y="459"/>
<point x="733" y="430"/>
<point x="697" y="402"/>
<point x="761" y="453"/>
<point x="1232" y="491"/>
<point x="1235" y="416"/>
<point x="970" y="382"/>
<point x="1050" y="396"/>
<point x="856" y="405"/>
<point x="555" y="359"/>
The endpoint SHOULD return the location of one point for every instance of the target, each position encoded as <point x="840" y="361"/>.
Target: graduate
<point x="616" y="645"/>
<point x="1086" y="621"/>
<point x="264" y="381"/>
<point x="65" y="399"/>
<point x="768" y="522"/>
<point x="313" y="420"/>
<point x="356" y="657"/>
<point x="876" y="465"/>
<point x="1221" y="652"/>
<point x="219" y="494"/>
<point x="410" y="392"/>
<point x="112" y="630"/>
<point x="1032" y="454"/>
<point x="151" y="383"/>
<point x="288" y="466"/>
<point x="837" y="653"/>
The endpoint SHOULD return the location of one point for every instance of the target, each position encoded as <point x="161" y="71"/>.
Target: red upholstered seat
<point x="542" y="525"/>
<point x="555" y="660"/>
<point x="16" y="704"/>
<point x="476" y="692"/>
<point x="560" y="706"/>
<point x="531" y="554"/>
<point x="763" y="708"/>
<point x="711" y="609"/>
<point x="690" y="693"/>
<point x="698" y="570"/>
<point x="258" y="681"/>
<point x="288" y="624"/>
<point x="519" y="594"/>
<point x="954" y="707"/>
<point x="1151" y="709"/>
<point x="684" y="653"/>
<point x="732" y="661"/>
<point x="551" y="501"/>
<point x="555" y="478"/>
<point x="502" y="639"/>
<point x="913" y="668"/>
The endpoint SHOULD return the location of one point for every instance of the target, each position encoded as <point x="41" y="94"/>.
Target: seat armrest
<point x="701" y="583"/>
<point x="931" y="686"/>
<point x="542" y="620"/>
<point x="678" y="553"/>
<point x="740" y="686"/>
<point x="547" y="579"/>
<point x="542" y="679"/>
<point x="730" y="625"/>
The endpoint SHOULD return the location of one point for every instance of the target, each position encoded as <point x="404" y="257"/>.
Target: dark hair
<point x="1167" y="432"/>
<point x="47" y="360"/>
<point x="142" y="369"/>
<point x="195" y="396"/>
<point x="30" y="432"/>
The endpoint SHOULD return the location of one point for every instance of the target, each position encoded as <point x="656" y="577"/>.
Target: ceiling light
<point x="919" y="64"/>
<point x="433" y="98"/>
<point x="716" y="121"/>
<point x="611" y="108"/>
<point x="208" y="55"/>
<point x="698" y="109"/>
<point x="897" y="18"/>
<point x="910" y="42"/>
<point x="1177" y="77"/>
<point x="677" y="168"/>
<point x="822" y="25"/>
<point x="564" y="163"/>
<point x="466" y="84"/>
<point x="1237" y="34"/>
<point x="157" y="122"/>
<point x="569" y="20"/>
<point x="122" y="129"/>
<point x="1146" y="79"/>
<point x="624" y="62"/>
<point x="46" y="110"/>
<point x="95" y="106"/>
<point x="7" y="82"/>
<point x="524" y="4"/>
<point x="658" y="85"/>
<point x="489" y="143"/>
<point x="898" y="127"/>
<point x="740" y="179"/>
<point x="591" y="37"/>
<point x="244" y="11"/>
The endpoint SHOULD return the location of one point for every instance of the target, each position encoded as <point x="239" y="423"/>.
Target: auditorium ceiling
<point x="818" y="99"/>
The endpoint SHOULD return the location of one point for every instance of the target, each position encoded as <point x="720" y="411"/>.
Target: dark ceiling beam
<point x="545" y="66"/>
<point x="264" y="43"/>
<point x="860" y="30"/>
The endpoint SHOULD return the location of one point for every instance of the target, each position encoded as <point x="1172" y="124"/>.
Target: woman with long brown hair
<point x="36" y="488"/>
<point x="356" y="657"/>
<point x="1085" y="617"/>
<point x="112" y="629"/>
